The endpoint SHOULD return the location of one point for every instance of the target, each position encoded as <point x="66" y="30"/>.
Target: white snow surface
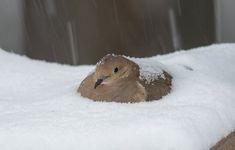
<point x="41" y="110"/>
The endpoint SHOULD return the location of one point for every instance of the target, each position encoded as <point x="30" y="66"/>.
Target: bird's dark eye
<point x="115" y="70"/>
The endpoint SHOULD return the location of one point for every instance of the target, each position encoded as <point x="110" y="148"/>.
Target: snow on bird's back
<point x="150" y="70"/>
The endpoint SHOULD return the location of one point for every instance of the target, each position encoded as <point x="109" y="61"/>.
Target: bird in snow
<point x="117" y="78"/>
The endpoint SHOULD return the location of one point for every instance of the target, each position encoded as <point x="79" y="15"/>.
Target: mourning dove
<point x="117" y="78"/>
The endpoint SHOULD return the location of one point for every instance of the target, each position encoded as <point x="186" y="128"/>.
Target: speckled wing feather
<point x="158" y="88"/>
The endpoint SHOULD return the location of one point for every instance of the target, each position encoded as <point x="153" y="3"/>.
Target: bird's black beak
<point x="98" y="82"/>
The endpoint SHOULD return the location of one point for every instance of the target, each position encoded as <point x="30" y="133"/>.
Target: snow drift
<point x="41" y="110"/>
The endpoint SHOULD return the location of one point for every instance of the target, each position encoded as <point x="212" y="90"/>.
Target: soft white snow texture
<point x="40" y="109"/>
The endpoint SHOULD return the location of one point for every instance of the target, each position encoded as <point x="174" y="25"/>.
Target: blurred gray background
<point x="82" y="31"/>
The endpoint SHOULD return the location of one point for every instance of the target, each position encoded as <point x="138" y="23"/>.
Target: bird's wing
<point x="158" y="88"/>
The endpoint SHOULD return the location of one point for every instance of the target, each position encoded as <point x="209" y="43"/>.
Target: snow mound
<point x="41" y="110"/>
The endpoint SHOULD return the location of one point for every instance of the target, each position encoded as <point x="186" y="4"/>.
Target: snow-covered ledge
<point x="40" y="108"/>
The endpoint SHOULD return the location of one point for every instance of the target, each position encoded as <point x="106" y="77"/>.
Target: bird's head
<point x="113" y="69"/>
